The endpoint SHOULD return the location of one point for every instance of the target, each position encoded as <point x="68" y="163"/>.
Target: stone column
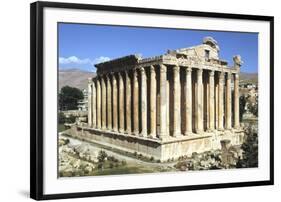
<point x="94" y="105"/>
<point x="153" y="101"/>
<point x="103" y="103"/>
<point x="143" y="103"/>
<point x="188" y="101"/>
<point x="199" y="110"/>
<point x="211" y="101"/>
<point x="90" y="102"/>
<point x="221" y="100"/>
<point x="98" y="104"/>
<point x="109" y="104"/>
<point x="128" y="104"/>
<point x="177" y="102"/>
<point x="236" y="101"/>
<point x="136" y="102"/>
<point x="121" y="103"/>
<point x="228" y="101"/>
<point x="163" y="102"/>
<point x="115" y="105"/>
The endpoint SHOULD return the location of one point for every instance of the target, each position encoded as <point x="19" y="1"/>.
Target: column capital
<point x="90" y="80"/>
<point x="136" y="73"/>
<point x="200" y="71"/>
<point x="176" y="68"/>
<point x="212" y="73"/>
<point x="228" y="74"/>
<point x="107" y="76"/>
<point x="163" y="68"/>
<point x="126" y="73"/>
<point x="89" y="88"/>
<point x="221" y="75"/>
<point x="188" y="70"/>
<point x="119" y="74"/>
<point x="142" y="70"/>
<point x="152" y="69"/>
<point x="236" y="76"/>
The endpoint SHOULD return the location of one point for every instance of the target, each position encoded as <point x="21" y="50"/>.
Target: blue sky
<point x="82" y="45"/>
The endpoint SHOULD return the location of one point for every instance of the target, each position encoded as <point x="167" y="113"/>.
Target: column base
<point x="187" y="133"/>
<point x="143" y="134"/>
<point x="210" y="130"/>
<point x="165" y="138"/>
<point x="135" y="133"/>
<point x="128" y="132"/>
<point x="199" y="131"/>
<point x="152" y="135"/>
<point x="237" y="127"/>
<point x="177" y="134"/>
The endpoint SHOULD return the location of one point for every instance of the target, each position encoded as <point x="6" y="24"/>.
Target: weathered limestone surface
<point x="175" y="102"/>
<point x="228" y="101"/>
<point x="136" y="103"/>
<point x="143" y="103"/>
<point x="188" y="101"/>
<point x="153" y="101"/>
<point x="94" y="106"/>
<point x="103" y="104"/>
<point x="163" y="101"/>
<point x="221" y="101"/>
<point x="128" y="104"/>
<point x="115" y="105"/>
<point x="236" y="102"/>
<point x="98" y="104"/>
<point x="90" y="103"/>
<point x="199" y="117"/>
<point x="109" y="104"/>
<point x="212" y="101"/>
<point x="121" y="103"/>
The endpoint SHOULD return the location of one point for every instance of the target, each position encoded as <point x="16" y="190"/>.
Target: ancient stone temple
<point x="166" y="106"/>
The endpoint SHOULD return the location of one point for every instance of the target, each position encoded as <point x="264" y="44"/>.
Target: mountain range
<point x="79" y="78"/>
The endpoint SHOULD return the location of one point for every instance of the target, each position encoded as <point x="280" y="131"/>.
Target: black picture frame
<point x="36" y="98"/>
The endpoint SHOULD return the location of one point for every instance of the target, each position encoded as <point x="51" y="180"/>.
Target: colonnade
<point x="159" y="101"/>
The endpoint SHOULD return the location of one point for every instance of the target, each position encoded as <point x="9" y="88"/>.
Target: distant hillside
<point x="249" y="77"/>
<point x="74" y="77"/>
<point x="79" y="79"/>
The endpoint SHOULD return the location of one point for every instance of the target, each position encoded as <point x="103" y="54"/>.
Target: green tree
<point x="242" y="104"/>
<point x="68" y="98"/>
<point x="250" y="151"/>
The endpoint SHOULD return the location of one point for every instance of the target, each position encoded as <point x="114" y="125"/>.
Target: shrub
<point x="100" y="166"/>
<point x="102" y="155"/>
<point x="250" y="151"/>
<point x="181" y="165"/>
<point x="113" y="159"/>
<point x="62" y="118"/>
<point x="123" y="162"/>
<point x="111" y="165"/>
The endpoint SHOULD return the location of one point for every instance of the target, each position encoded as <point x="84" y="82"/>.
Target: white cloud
<point x="101" y="59"/>
<point x="76" y="60"/>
